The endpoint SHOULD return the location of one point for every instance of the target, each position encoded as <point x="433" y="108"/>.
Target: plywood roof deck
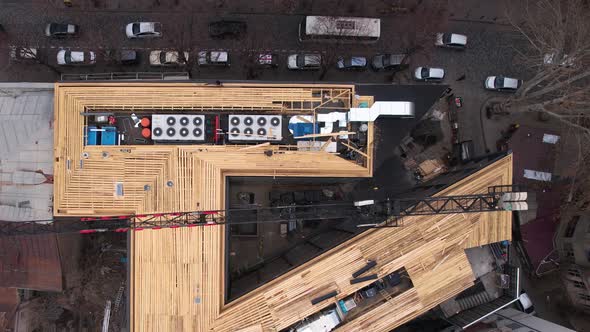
<point x="85" y="186"/>
<point x="178" y="275"/>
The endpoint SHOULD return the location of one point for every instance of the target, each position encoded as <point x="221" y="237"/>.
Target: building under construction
<point x="153" y="149"/>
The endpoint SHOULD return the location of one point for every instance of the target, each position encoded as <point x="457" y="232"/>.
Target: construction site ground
<point x="94" y="270"/>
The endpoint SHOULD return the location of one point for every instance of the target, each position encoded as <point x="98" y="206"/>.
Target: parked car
<point x="168" y="58"/>
<point x="525" y="304"/>
<point x="304" y="61"/>
<point x="223" y="29"/>
<point x="123" y="57"/>
<point x="143" y="30"/>
<point x="501" y="83"/>
<point x="451" y="40"/>
<point x="213" y="58"/>
<point x="352" y="63"/>
<point x="59" y="30"/>
<point x="429" y="74"/>
<point x="67" y="57"/>
<point x="267" y="60"/>
<point x="23" y="53"/>
<point x="387" y="61"/>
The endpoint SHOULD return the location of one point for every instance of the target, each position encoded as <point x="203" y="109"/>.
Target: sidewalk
<point x="333" y="7"/>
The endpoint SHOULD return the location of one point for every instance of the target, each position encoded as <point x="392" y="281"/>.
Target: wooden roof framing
<point x="178" y="275"/>
<point x="85" y="176"/>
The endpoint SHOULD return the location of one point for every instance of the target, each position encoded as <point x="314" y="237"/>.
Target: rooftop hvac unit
<point x="178" y="127"/>
<point x="255" y="128"/>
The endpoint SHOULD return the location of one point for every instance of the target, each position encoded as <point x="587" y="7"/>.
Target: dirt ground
<point x="94" y="270"/>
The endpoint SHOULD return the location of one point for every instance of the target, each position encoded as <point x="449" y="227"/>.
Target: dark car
<point x="352" y="63"/>
<point x="388" y="61"/>
<point x="123" y="57"/>
<point x="223" y="29"/>
<point x="59" y="30"/>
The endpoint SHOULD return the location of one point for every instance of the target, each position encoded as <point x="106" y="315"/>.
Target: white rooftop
<point x="26" y="151"/>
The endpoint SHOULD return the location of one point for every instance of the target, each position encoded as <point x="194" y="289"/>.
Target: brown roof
<point x="530" y="152"/>
<point x="30" y="261"/>
<point x="8" y="304"/>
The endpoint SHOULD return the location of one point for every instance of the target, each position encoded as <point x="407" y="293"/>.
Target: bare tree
<point x="31" y="45"/>
<point x="557" y="49"/>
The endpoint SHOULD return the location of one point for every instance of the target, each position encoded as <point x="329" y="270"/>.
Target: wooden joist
<point x="254" y="147"/>
<point x="326" y="134"/>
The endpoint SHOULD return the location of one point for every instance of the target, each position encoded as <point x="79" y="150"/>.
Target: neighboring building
<point x="573" y="245"/>
<point x="30" y="262"/>
<point x="26" y="151"/>
<point x="8" y="304"/>
<point x="510" y="319"/>
<point x="534" y="163"/>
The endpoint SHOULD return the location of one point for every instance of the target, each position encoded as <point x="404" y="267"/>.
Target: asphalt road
<point x="490" y="43"/>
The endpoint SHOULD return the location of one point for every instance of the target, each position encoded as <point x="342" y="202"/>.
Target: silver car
<point x="79" y="58"/>
<point x="167" y="58"/>
<point x="304" y="61"/>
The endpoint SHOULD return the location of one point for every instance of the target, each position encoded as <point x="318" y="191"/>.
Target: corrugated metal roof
<point x="31" y="262"/>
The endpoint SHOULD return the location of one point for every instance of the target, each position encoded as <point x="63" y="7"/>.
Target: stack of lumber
<point x="431" y="168"/>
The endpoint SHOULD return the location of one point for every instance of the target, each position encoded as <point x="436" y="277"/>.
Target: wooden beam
<point x="303" y="119"/>
<point x="355" y="149"/>
<point x="326" y="135"/>
<point x="325" y="145"/>
<point x="253" y="147"/>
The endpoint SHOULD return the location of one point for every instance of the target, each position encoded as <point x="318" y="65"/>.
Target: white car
<point x="67" y="57"/>
<point x="501" y="83"/>
<point x="429" y="74"/>
<point x="167" y="58"/>
<point x="451" y="40"/>
<point x="143" y="30"/>
<point x="304" y="61"/>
